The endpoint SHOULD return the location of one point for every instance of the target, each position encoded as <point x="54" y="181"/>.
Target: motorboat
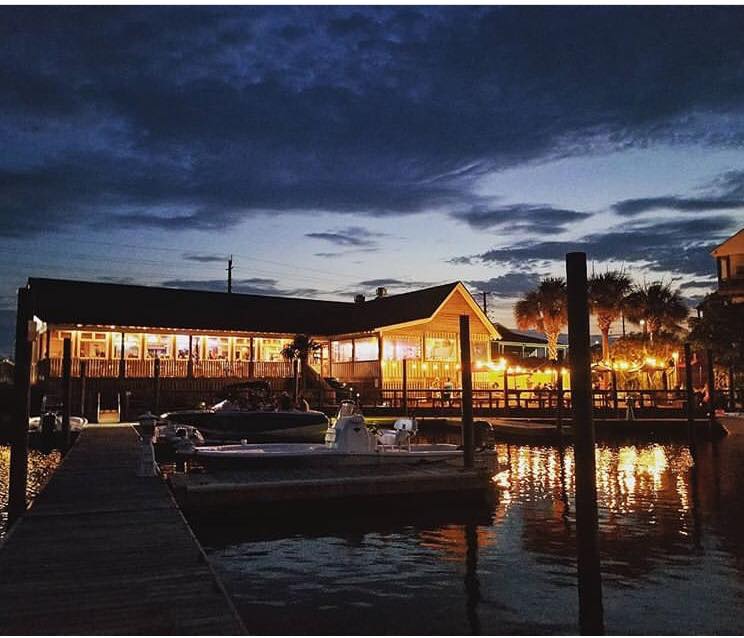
<point x="348" y="441"/>
<point x="173" y="437"/>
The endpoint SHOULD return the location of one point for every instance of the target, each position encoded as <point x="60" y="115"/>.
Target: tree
<point x="660" y="307"/>
<point x="544" y="309"/>
<point x="299" y="349"/>
<point x="607" y="293"/>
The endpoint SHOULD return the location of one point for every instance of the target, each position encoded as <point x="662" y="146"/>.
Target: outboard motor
<point x="350" y="433"/>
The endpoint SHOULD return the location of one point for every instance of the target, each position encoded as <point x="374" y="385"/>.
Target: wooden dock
<point x="102" y="551"/>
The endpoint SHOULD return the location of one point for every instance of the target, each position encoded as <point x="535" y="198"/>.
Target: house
<point x="119" y="331"/>
<point x="513" y="344"/>
<point x="730" y="265"/>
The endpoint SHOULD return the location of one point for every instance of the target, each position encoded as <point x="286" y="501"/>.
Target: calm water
<point x="671" y="536"/>
<point x="40" y="468"/>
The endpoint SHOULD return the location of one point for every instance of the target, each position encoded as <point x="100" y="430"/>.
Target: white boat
<point x="77" y="423"/>
<point x="348" y="442"/>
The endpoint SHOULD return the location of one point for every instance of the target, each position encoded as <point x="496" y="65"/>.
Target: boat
<point x="77" y="423"/>
<point x="348" y="441"/>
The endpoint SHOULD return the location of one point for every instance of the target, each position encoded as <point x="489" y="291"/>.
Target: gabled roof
<point x="70" y="302"/>
<point x="734" y="245"/>
<point x="511" y="336"/>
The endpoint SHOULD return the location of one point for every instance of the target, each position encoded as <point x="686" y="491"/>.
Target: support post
<point x="405" y="387"/>
<point x="591" y="615"/>
<point x="190" y="362"/>
<point x="506" y="390"/>
<point x="690" y="393"/>
<point x="467" y="391"/>
<point x="83" y="379"/>
<point x="22" y="382"/>
<point x="559" y="398"/>
<point x="122" y="360"/>
<point x="711" y="391"/>
<point x="613" y="377"/>
<point x="66" y="391"/>
<point x="732" y="389"/>
<point x="156" y="385"/>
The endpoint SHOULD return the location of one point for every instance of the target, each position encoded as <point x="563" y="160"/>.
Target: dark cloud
<point x="678" y="245"/>
<point x="200" y="117"/>
<point x="631" y="207"/>
<point x="509" y="285"/>
<point x="205" y="259"/>
<point x="353" y="236"/>
<point x="541" y="219"/>
<point x="250" y="286"/>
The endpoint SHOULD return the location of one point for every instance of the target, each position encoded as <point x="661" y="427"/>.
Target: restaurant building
<point x="729" y="258"/>
<point x="119" y="331"/>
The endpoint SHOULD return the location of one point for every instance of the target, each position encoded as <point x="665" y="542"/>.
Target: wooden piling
<point x="559" y="395"/>
<point x="732" y="389"/>
<point x="711" y="391"/>
<point x="405" y="387"/>
<point x="19" y="433"/>
<point x="156" y="385"/>
<point x="66" y="391"/>
<point x="83" y="378"/>
<point x="467" y="391"/>
<point x="591" y="615"/>
<point x="613" y="377"/>
<point x="506" y="389"/>
<point x="122" y="361"/>
<point x="690" y="393"/>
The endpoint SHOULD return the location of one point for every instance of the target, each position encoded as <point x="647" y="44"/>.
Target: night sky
<point x="332" y="150"/>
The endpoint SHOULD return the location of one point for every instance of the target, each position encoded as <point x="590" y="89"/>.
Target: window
<point x="270" y="349"/>
<point x="342" y="351"/>
<point x="366" y="349"/>
<point x="218" y="348"/>
<point x="92" y="345"/>
<point x="480" y="351"/>
<point x="242" y="349"/>
<point x="132" y="346"/>
<point x="401" y="347"/>
<point x="57" y="342"/>
<point x="441" y="349"/>
<point x="182" y="347"/>
<point x="158" y="346"/>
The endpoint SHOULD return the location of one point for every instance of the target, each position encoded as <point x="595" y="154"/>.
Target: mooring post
<point x="732" y="390"/>
<point x="405" y="387"/>
<point x="613" y="377"/>
<point x="156" y="385"/>
<point x="19" y="433"/>
<point x="66" y="391"/>
<point x="506" y="389"/>
<point x="83" y="377"/>
<point x="467" y="391"/>
<point x="711" y="391"/>
<point x="690" y="394"/>
<point x="591" y="616"/>
<point x="559" y="396"/>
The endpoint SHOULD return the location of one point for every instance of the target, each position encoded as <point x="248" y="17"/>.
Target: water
<point x="671" y="536"/>
<point x="40" y="467"/>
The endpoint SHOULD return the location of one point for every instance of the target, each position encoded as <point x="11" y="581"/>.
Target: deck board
<point x="102" y="551"/>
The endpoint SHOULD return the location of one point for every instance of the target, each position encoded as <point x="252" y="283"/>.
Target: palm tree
<point x="656" y="304"/>
<point x="607" y="293"/>
<point x="544" y="309"/>
<point x="299" y="349"/>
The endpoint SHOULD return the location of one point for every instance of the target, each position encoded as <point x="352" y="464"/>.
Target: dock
<point x="102" y="551"/>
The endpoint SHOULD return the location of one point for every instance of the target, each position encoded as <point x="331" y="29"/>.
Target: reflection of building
<point x="730" y="265"/>
<point x="119" y="331"/>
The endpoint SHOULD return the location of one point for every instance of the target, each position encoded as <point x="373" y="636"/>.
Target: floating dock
<point x="102" y="551"/>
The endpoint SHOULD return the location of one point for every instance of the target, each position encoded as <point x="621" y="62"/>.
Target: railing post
<point x="591" y="615"/>
<point x="22" y="381"/>
<point x="405" y="387"/>
<point x="711" y="391"/>
<point x="732" y="390"/>
<point x="467" y="391"/>
<point x="506" y="390"/>
<point x="190" y="362"/>
<point x="83" y="379"/>
<point x="690" y="394"/>
<point x="156" y="385"/>
<point x="66" y="391"/>
<point x="613" y="376"/>
<point x="122" y="360"/>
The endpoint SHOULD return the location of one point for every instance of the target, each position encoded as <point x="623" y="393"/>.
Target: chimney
<point x="381" y="292"/>
<point x="358" y="298"/>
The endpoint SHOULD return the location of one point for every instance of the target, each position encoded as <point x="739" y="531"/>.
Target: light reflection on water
<point x="671" y="537"/>
<point x="40" y="468"/>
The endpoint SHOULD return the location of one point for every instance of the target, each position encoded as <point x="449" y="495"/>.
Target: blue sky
<point x="332" y="150"/>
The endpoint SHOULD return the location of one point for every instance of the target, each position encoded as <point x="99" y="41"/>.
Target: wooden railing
<point x="356" y="369"/>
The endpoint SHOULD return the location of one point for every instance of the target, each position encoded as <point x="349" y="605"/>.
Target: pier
<point x="102" y="551"/>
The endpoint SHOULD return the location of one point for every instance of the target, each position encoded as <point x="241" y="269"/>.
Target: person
<point x="436" y="394"/>
<point x="302" y="404"/>
<point x="447" y="391"/>
<point x="284" y="402"/>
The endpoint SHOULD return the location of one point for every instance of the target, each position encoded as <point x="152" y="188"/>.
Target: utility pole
<point x="229" y="275"/>
<point x="485" y="303"/>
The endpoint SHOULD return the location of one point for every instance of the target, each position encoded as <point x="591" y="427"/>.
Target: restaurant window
<point x="132" y="346"/>
<point x="92" y="345"/>
<point x="158" y="346"/>
<point x="218" y="348"/>
<point x="480" y="350"/>
<point x="441" y="349"/>
<point x="399" y="348"/>
<point x="342" y="351"/>
<point x="182" y="347"/>
<point x="366" y="349"/>
<point x="56" y="343"/>
<point x="242" y="349"/>
<point x="271" y="349"/>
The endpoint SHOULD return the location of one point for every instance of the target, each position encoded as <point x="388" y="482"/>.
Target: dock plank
<point x="102" y="551"/>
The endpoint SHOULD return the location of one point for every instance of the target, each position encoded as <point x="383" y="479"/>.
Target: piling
<point x="19" y="434"/>
<point x="613" y="377"/>
<point x="690" y="394"/>
<point x="711" y="391"/>
<point x="559" y="394"/>
<point x="506" y="390"/>
<point x="591" y="616"/>
<point x="405" y="387"/>
<point x="732" y="390"/>
<point x="467" y="392"/>
<point x="83" y="376"/>
<point x="66" y="391"/>
<point x="156" y="385"/>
